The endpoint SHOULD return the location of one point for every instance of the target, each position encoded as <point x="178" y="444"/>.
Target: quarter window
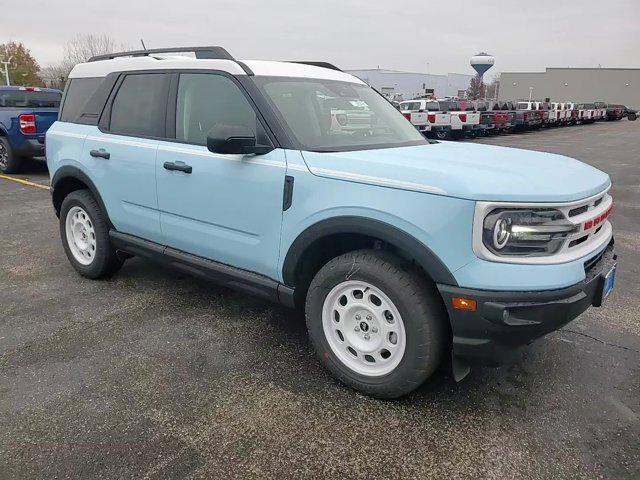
<point x="139" y="106"/>
<point x="79" y="90"/>
<point x="205" y="100"/>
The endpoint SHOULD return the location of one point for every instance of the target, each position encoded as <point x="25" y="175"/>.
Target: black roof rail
<point x="211" y="53"/>
<point x="201" y="52"/>
<point x="328" y="65"/>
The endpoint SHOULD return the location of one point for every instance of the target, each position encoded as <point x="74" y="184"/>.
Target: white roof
<point x="259" y="67"/>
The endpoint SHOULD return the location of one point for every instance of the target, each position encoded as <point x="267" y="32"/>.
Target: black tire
<point x="418" y="302"/>
<point x="105" y="261"/>
<point x="632" y="117"/>
<point x="442" y="134"/>
<point x="9" y="162"/>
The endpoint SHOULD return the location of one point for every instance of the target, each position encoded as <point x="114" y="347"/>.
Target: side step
<point x="223" y="274"/>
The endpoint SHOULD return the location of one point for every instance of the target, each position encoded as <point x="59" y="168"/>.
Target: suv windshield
<point x="29" y="99"/>
<point x="331" y="116"/>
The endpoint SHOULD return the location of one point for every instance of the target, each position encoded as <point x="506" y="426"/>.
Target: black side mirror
<point x="236" y="139"/>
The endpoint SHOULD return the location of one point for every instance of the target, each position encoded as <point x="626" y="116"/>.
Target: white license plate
<point x="609" y="282"/>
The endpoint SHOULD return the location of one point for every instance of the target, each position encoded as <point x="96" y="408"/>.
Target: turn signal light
<point x="460" y="303"/>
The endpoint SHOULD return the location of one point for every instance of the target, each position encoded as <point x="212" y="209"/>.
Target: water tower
<point x="482" y="62"/>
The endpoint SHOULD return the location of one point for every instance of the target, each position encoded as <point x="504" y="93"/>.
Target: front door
<point x="226" y="208"/>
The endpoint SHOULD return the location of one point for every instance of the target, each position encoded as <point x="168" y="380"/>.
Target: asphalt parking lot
<point x="153" y="374"/>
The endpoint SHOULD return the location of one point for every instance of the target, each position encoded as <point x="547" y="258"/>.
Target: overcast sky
<point x="435" y="36"/>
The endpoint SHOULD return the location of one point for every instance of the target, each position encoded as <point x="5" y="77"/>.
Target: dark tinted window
<point x="29" y="99"/>
<point x="79" y="90"/>
<point x="139" y="106"/>
<point x="433" y="106"/>
<point x="205" y="100"/>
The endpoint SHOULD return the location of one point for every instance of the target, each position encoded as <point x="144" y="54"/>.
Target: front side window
<point x="205" y="100"/>
<point x="139" y="106"/>
<point x="523" y="106"/>
<point x="329" y="115"/>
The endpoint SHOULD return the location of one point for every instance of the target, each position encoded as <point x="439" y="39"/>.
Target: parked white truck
<point x="427" y="116"/>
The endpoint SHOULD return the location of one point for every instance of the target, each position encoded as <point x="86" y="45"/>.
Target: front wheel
<point x="85" y="236"/>
<point x="376" y="326"/>
<point x="632" y="117"/>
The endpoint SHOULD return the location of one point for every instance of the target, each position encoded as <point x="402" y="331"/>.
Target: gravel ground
<point x="153" y="374"/>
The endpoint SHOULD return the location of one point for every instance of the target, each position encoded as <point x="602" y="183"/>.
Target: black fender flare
<point x="69" y="171"/>
<point x="385" y="232"/>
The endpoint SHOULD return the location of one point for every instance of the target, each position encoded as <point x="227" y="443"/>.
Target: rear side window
<point x="205" y="100"/>
<point x="139" y="106"/>
<point x="413" y="106"/>
<point x="79" y="91"/>
<point x="29" y="99"/>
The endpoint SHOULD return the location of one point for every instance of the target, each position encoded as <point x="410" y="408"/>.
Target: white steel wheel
<point x="363" y="328"/>
<point x="81" y="236"/>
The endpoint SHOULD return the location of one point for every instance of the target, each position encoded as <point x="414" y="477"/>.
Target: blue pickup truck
<point x="26" y="113"/>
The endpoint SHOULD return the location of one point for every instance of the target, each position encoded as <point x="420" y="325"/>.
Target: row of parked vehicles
<point x="453" y="118"/>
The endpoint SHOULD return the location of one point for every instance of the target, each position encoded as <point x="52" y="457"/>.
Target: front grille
<point x="578" y="241"/>
<point x="577" y="211"/>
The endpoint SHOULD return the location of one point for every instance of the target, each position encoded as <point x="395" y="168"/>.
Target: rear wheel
<point x="376" y="326"/>
<point x="442" y="134"/>
<point x="85" y="236"/>
<point x="9" y="162"/>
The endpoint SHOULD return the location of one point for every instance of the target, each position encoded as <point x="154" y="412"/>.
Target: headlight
<point x="531" y="232"/>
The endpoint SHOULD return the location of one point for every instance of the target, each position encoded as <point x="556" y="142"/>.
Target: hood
<point x="466" y="170"/>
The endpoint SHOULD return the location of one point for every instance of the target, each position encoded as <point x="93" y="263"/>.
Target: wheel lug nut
<point x="374" y="329"/>
<point x="358" y="316"/>
<point x="368" y="317"/>
<point x="356" y="329"/>
<point x="366" y="336"/>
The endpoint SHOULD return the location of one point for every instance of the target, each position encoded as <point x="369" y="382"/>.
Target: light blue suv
<point x="299" y="183"/>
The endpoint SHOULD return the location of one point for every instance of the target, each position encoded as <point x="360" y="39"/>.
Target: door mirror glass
<point x="234" y="139"/>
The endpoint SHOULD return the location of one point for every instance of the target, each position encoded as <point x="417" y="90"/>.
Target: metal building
<point x="610" y="85"/>
<point x="409" y="85"/>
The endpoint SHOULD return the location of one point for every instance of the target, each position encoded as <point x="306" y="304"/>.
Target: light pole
<point x="530" y="92"/>
<point x="6" y="69"/>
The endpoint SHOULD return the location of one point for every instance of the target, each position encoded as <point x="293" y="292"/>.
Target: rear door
<point x="227" y="208"/>
<point x="120" y="154"/>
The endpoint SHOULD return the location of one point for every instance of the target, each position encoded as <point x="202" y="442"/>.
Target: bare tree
<point x="83" y="47"/>
<point x="476" y="88"/>
<point x="78" y="50"/>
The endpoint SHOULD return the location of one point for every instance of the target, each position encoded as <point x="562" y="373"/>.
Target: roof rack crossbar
<point x="217" y="53"/>
<point x="317" y="64"/>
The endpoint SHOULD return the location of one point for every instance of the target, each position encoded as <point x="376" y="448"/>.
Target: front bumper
<point x="504" y="323"/>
